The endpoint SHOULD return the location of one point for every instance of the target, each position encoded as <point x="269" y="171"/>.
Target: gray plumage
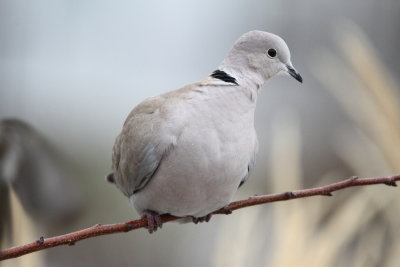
<point x="187" y="151"/>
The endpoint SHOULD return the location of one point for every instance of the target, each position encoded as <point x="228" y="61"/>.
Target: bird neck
<point x="245" y="77"/>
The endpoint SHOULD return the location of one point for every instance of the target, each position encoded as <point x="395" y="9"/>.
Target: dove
<point x="187" y="151"/>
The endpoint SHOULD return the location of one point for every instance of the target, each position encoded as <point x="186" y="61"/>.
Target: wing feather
<point x="141" y="146"/>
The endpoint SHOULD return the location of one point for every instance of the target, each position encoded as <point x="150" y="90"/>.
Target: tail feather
<point x="110" y="178"/>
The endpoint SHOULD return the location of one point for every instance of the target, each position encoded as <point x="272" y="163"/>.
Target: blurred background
<point x="71" y="71"/>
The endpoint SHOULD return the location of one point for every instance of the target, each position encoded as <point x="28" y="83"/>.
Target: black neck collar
<point x="223" y="76"/>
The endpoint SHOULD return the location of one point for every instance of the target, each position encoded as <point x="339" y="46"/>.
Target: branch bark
<point x="98" y="229"/>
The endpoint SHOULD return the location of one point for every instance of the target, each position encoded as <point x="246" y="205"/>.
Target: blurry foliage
<point x="37" y="192"/>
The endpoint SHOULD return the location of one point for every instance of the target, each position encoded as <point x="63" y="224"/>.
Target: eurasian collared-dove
<point x="187" y="151"/>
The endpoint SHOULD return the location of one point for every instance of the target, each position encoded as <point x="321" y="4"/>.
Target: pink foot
<point x="153" y="220"/>
<point x="202" y="219"/>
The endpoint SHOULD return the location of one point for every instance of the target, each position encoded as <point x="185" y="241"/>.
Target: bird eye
<point x="271" y="53"/>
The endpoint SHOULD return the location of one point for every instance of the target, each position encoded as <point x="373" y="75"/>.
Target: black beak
<point x="294" y="73"/>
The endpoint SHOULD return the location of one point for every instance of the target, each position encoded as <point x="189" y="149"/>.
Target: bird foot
<point x="206" y="218"/>
<point x="226" y="210"/>
<point x="153" y="220"/>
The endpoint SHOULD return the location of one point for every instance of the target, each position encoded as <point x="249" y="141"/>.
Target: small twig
<point x="98" y="229"/>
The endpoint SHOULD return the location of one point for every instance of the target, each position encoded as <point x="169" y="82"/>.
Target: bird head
<point x="259" y="55"/>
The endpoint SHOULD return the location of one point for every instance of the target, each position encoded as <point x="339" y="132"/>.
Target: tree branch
<point x="98" y="229"/>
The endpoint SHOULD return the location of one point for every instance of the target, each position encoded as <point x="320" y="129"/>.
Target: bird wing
<point x="145" y="139"/>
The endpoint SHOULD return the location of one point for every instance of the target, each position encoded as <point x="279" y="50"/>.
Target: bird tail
<point x="110" y="178"/>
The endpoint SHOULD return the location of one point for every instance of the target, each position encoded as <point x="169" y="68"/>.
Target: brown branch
<point x="97" y="230"/>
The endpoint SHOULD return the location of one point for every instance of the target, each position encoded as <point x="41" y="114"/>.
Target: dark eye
<point x="271" y="52"/>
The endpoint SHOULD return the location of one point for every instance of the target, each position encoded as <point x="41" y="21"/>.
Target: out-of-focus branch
<point x="98" y="229"/>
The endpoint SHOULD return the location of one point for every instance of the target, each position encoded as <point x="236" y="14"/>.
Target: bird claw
<point x="153" y="220"/>
<point x="226" y="210"/>
<point x="206" y="218"/>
